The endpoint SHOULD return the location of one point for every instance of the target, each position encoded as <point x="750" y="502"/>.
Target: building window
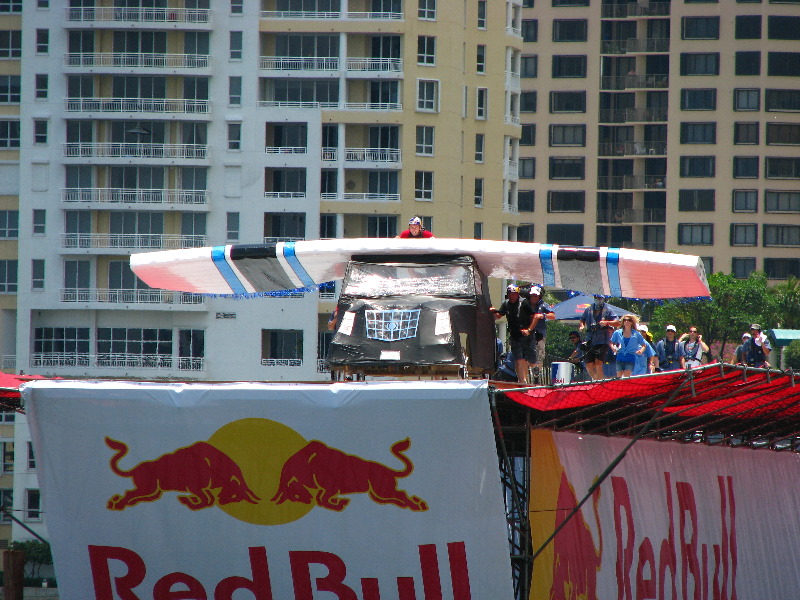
<point x="783" y="134"/>
<point x="9" y="224"/>
<point x="39" y="131"/>
<point x="566" y="201"/>
<point x="528" y="135"/>
<point x="527" y="102"/>
<point x="746" y="99"/>
<point x="149" y="347"/>
<point x="482" y="103"/>
<point x="11" y="6"/>
<point x="39" y="221"/>
<point x="480" y="59"/>
<point x="699" y="63"/>
<point x="480" y="147"/>
<point x="426" y="50"/>
<point x="745" y="201"/>
<point x="235" y="91"/>
<point x="526" y="200"/>
<point x="697" y="166"/>
<point x="234" y="136"/>
<point x="568" y="135"/>
<point x="42" y="41"/>
<point x="381" y="226"/>
<point x="236" y="42"/>
<point x="782" y="100"/>
<point x="283" y="346"/>
<point x="782" y="201"/>
<point x="41" y="86"/>
<point x="782" y="268"/>
<point x="427" y="95"/>
<point x="33" y="505"/>
<point x="481" y="14"/>
<point x="565" y="234"/>
<point x="237" y="7"/>
<point x="7" y="449"/>
<point x="566" y="66"/>
<point x="567" y="167"/>
<point x="698" y="133"/>
<point x="745" y="133"/>
<point x="745" y="167"/>
<point x="527" y="168"/>
<point x="708" y="263"/>
<point x="529" y="66"/>
<point x="10" y="91"/>
<point x="530" y="30"/>
<point x="70" y="344"/>
<point x="567" y="102"/>
<point x="700" y="28"/>
<point x="31" y="457"/>
<point x="781" y="235"/>
<point x="782" y="168"/>
<point x="477" y="231"/>
<point x="9" y="134"/>
<point x="232" y="226"/>
<point x="426" y="10"/>
<point x="748" y="27"/>
<point x="327" y="227"/>
<point x="525" y="233"/>
<point x="695" y="234"/>
<point x="698" y="99"/>
<point x="742" y="267"/>
<point x="478" y="191"/>
<point x="783" y="64"/>
<point x="37" y="274"/>
<point x="570" y="2"/>
<point x="748" y="63"/>
<point x="6" y="502"/>
<point x="696" y="200"/>
<point x="783" y="27"/>
<point x="424" y="140"/>
<point x="570" y="30"/>
<point x="423" y="186"/>
<point x="8" y="276"/>
<point x="10" y="44"/>
<point x="744" y="234"/>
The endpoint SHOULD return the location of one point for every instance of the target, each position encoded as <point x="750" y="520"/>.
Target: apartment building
<point x="664" y="126"/>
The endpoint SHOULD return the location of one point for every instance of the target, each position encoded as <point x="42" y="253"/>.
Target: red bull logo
<point x="247" y="461"/>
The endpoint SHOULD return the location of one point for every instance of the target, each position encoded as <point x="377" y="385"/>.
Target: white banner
<point x="673" y="521"/>
<point x="377" y="491"/>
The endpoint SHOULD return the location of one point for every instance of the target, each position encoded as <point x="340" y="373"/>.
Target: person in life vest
<point x="757" y="348"/>
<point x="669" y="351"/>
<point x="693" y="347"/>
<point x="415" y="230"/>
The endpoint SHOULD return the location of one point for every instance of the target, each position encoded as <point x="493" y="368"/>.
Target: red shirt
<point x="422" y="234"/>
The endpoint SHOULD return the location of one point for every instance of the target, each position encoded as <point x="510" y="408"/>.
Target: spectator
<point x="626" y="343"/>
<point x="647" y="361"/>
<point x="741" y="349"/>
<point x="758" y="348"/>
<point x="519" y="313"/>
<point x="543" y="313"/>
<point x="693" y="348"/>
<point x="669" y="351"/>
<point x="597" y="322"/>
<point x="415" y="230"/>
<point x="576" y="356"/>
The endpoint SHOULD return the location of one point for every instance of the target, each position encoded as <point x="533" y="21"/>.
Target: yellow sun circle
<point x="261" y="447"/>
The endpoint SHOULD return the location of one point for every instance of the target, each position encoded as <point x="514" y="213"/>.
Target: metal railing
<point x="632" y="215"/>
<point x="635" y="9"/>
<point x="137" y="196"/>
<point x="143" y="241"/>
<point x="373" y="106"/>
<point x="296" y="104"/>
<point x="136" y="59"/>
<point x="299" y="63"/>
<point x="155" y="105"/>
<point x="360" y="197"/>
<point x="632" y="148"/>
<point x="281" y="362"/>
<point x="116" y="360"/>
<point x="141" y="296"/>
<point x="384" y="155"/>
<point x="630" y="182"/>
<point x="373" y="65"/>
<point x="285" y="149"/>
<point x="275" y="240"/>
<point x="331" y="15"/>
<point x="634" y="45"/>
<point x="285" y="195"/>
<point x="626" y="82"/>
<point x="628" y="115"/>
<point x="9" y="362"/>
<point x="124" y="149"/>
<point x="139" y="15"/>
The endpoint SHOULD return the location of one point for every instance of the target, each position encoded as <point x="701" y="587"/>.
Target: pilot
<point x="519" y="313"/>
<point x="415" y="230"/>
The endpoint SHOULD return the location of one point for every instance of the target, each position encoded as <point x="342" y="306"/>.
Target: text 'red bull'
<point x="182" y="585"/>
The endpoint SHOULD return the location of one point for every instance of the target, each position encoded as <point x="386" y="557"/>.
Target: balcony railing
<point x="155" y="105"/>
<point x="634" y="45"/>
<point x="630" y="182"/>
<point x="282" y="362"/>
<point x="632" y="148"/>
<point x="635" y="9"/>
<point x="299" y="63"/>
<point x="140" y="241"/>
<point x="632" y="215"/>
<point x="275" y="240"/>
<point x="137" y="196"/>
<point x="375" y="65"/>
<point x="284" y="195"/>
<point x="134" y="59"/>
<point x="360" y="197"/>
<point x="626" y="82"/>
<point x="285" y="149"/>
<point x="116" y="360"/>
<point x="297" y="104"/>
<point x="373" y="106"/>
<point x="331" y="15"/>
<point x="139" y="15"/>
<point x="383" y="155"/>
<point x="633" y="115"/>
<point x="9" y="362"/>
<point x="144" y="296"/>
<point x="122" y="149"/>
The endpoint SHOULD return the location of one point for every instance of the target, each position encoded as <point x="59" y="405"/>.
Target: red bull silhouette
<point x="319" y="472"/>
<point x="205" y="473"/>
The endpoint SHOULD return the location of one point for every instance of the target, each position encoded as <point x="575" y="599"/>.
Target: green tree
<point x="37" y="553"/>
<point x="785" y="303"/>
<point x="792" y="355"/>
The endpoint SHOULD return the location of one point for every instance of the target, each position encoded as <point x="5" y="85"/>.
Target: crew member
<point x="415" y="230"/>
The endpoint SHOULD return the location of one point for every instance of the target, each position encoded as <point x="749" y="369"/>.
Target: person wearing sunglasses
<point x="627" y="343"/>
<point x="757" y="348"/>
<point x="693" y="348"/>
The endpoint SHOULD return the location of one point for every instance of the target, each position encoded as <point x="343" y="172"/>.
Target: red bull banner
<point x="672" y="521"/>
<point x="359" y="491"/>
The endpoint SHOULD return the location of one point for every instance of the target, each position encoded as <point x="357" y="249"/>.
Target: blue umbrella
<point x="572" y="309"/>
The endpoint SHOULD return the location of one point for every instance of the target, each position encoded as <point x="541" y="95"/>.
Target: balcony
<point x="631" y="82"/>
<point x="133" y="59"/>
<point x="297" y="104"/>
<point x="131" y="241"/>
<point x="145" y="296"/>
<point x="125" y="150"/>
<point x="632" y="215"/>
<point x="125" y="361"/>
<point x="281" y="362"/>
<point x="633" y="115"/>
<point x="360" y="197"/>
<point x="332" y="15"/>
<point x="632" y="148"/>
<point x="285" y="195"/>
<point x="379" y="106"/>
<point x="379" y="155"/>
<point x="374" y="65"/>
<point x="285" y="149"/>
<point x="633" y="45"/>
<point x="298" y="63"/>
<point x="138" y="15"/>
<point x="275" y="240"/>
<point x="635" y="9"/>
<point x="134" y="196"/>
<point x="631" y="182"/>
<point x="153" y="105"/>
